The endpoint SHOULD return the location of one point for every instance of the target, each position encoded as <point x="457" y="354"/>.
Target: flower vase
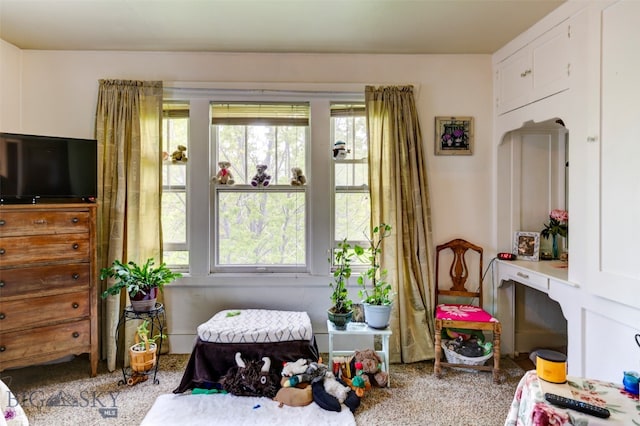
<point x="555" y="246"/>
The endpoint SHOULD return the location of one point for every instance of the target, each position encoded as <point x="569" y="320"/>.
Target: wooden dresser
<point x="48" y="279"/>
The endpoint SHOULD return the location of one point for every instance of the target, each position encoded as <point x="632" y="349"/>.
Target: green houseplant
<point x="141" y="282"/>
<point x="340" y="313"/>
<point x="376" y="292"/>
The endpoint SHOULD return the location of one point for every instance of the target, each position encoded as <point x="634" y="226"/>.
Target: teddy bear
<point x="224" y="176"/>
<point x="261" y="178"/>
<point x="179" y="154"/>
<point x="371" y="363"/>
<point x="297" y="178"/>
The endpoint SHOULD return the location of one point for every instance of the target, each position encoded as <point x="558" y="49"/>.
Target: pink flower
<point x="559" y="215"/>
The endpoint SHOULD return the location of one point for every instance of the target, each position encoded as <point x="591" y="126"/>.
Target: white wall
<point x="10" y="102"/>
<point x="59" y="93"/>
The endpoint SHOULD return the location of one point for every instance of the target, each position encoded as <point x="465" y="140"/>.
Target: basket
<point x="142" y="361"/>
<point x="455" y="358"/>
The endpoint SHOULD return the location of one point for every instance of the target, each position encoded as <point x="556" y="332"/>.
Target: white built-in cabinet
<point x="614" y="250"/>
<point x="537" y="70"/>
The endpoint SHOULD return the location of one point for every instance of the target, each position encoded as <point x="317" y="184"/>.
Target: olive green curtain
<point x="128" y="130"/>
<point x="400" y="198"/>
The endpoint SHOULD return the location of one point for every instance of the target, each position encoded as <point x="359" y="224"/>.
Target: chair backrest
<point x="459" y="271"/>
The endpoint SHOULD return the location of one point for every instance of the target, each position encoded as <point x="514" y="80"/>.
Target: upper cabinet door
<point x="540" y="69"/>
<point x="613" y="260"/>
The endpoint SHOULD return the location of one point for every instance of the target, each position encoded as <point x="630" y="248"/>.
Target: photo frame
<point x="454" y="135"/>
<point x="526" y="245"/>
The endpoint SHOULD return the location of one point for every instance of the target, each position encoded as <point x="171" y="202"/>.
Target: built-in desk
<point x="549" y="277"/>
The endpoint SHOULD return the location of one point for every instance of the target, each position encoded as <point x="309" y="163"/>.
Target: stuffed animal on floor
<point x="313" y="372"/>
<point x="297" y="178"/>
<point x="224" y="176"/>
<point x="292" y="368"/>
<point x="294" y="397"/>
<point x="261" y="178"/>
<point x="251" y="378"/>
<point x="371" y="367"/>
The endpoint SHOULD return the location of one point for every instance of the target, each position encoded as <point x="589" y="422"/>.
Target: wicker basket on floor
<point x="455" y="358"/>
<point x="142" y="355"/>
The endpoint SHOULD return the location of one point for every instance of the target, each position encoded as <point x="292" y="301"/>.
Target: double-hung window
<point x="258" y="227"/>
<point x="352" y="212"/>
<point x="175" y="133"/>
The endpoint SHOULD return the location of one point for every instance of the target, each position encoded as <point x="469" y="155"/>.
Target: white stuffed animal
<point x="293" y="368"/>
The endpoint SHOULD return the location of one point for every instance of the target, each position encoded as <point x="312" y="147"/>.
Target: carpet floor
<point x="64" y="394"/>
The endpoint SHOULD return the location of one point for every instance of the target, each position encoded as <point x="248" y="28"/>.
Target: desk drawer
<point x="525" y="276"/>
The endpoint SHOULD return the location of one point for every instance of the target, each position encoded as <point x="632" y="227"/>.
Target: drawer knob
<point x="2" y="316"/>
<point x="2" y="251"/>
<point x="75" y="276"/>
<point x="522" y="275"/>
<point x="75" y="305"/>
<point x="2" y="222"/>
<point x="75" y="246"/>
<point x="1" y="284"/>
<point x="75" y="220"/>
<point x="75" y="334"/>
<point x="2" y="349"/>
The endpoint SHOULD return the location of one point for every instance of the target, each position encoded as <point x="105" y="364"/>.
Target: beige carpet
<point x="64" y="394"/>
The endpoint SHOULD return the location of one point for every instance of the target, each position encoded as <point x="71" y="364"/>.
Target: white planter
<point x="377" y="316"/>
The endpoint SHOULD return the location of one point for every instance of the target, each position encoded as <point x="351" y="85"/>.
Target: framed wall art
<point x="454" y="135"/>
<point x="526" y="245"/>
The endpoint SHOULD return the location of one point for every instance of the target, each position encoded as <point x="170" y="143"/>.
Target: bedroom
<point x="51" y="86"/>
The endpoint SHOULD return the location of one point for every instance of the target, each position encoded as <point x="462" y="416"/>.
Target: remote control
<point x="583" y="407"/>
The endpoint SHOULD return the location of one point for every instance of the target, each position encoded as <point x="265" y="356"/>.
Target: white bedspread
<point x="256" y="326"/>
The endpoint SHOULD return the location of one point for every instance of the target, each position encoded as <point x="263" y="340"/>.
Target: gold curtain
<point x="128" y="130"/>
<point x="400" y="198"/>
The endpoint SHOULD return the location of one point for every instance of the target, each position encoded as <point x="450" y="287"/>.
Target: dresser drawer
<point x="38" y="222"/>
<point x="52" y="279"/>
<point x="23" y="251"/>
<point x="72" y="337"/>
<point x="34" y="311"/>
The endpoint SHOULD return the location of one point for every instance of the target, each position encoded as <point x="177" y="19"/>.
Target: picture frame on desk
<point x="526" y="245"/>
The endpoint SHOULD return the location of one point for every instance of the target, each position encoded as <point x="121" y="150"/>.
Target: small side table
<point x="361" y="329"/>
<point x="156" y="318"/>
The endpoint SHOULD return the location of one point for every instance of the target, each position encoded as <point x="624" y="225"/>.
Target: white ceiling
<point x="307" y="26"/>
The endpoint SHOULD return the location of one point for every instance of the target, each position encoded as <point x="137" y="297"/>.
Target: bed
<point x="283" y="336"/>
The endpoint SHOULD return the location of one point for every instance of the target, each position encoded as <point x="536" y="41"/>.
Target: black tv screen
<point x="45" y="168"/>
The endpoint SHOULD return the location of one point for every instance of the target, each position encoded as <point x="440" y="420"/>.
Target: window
<point x="256" y="226"/>
<point x="175" y="132"/>
<point x="352" y="212"/>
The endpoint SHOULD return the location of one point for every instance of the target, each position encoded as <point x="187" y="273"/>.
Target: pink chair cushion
<point x="463" y="313"/>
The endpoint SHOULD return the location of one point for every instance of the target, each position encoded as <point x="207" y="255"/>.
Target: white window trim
<point x="319" y="171"/>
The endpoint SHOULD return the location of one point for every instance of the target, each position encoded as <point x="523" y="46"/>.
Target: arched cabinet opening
<point x="532" y="180"/>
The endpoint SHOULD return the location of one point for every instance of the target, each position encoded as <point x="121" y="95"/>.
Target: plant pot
<point x="339" y="320"/>
<point x="142" y="358"/>
<point x="377" y="316"/>
<point x="144" y="302"/>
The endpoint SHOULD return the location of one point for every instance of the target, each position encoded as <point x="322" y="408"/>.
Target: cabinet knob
<point x="1" y="284"/>
<point x="75" y="305"/>
<point x="2" y="251"/>
<point x="75" y="246"/>
<point x="2" y="222"/>
<point x="525" y="73"/>
<point x="75" y="334"/>
<point x="2" y="349"/>
<point x="75" y="276"/>
<point x="75" y="220"/>
<point x="2" y="316"/>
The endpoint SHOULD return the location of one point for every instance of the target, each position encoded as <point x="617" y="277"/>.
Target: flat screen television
<point x="47" y="168"/>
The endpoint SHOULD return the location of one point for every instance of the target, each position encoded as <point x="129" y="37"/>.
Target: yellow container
<point x="551" y="366"/>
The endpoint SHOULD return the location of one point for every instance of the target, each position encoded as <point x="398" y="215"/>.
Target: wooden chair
<point x="463" y="316"/>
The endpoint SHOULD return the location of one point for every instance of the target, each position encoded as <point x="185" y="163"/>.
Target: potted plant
<point x="376" y="292"/>
<point x="141" y="282"/>
<point x="143" y="353"/>
<point x="340" y="312"/>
